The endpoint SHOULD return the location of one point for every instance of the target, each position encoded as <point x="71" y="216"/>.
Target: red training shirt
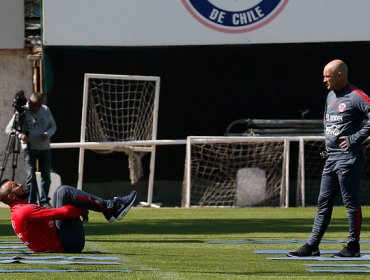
<point x="35" y="226"/>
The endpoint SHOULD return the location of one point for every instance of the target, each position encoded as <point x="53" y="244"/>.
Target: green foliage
<point x="169" y="243"/>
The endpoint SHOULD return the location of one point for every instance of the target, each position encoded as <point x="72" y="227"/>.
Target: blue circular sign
<point x="234" y="16"/>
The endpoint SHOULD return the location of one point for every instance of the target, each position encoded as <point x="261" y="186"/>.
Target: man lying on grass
<point x="58" y="229"/>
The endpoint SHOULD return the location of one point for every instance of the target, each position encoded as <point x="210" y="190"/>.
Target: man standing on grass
<point x="346" y="109"/>
<point x="37" y="128"/>
<point x="59" y="229"/>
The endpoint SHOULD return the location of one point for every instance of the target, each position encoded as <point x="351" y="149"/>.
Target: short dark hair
<point x="3" y="194"/>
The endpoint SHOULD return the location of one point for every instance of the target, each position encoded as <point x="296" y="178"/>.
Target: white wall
<point x="16" y="74"/>
<point x="12" y="24"/>
<point x="174" y="22"/>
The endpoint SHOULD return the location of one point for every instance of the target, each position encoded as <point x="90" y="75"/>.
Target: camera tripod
<point x="13" y="145"/>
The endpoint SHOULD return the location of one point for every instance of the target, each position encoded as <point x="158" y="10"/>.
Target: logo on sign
<point x="236" y="16"/>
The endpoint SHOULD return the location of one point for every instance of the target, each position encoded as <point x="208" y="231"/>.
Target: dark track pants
<point x="71" y="231"/>
<point x="340" y="175"/>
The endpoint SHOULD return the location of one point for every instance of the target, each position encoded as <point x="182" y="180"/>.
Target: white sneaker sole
<point x="111" y="219"/>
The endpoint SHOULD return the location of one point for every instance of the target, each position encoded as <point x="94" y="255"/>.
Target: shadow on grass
<point x="215" y="226"/>
<point x="6" y="229"/>
<point x="205" y="226"/>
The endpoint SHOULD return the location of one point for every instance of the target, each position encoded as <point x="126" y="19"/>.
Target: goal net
<point x="118" y="109"/>
<point x="310" y="167"/>
<point x="235" y="171"/>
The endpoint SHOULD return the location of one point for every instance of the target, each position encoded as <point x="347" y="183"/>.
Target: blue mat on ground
<point x="252" y="241"/>
<point x="14" y="261"/>
<point x="16" y="252"/>
<point x="338" y="271"/>
<point x="337" y="265"/>
<point x="13" y="247"/>
<point x="362" y="258"/>
<point x="284" y="252"/>
<point x="61" y="270"/>
<point x="249" y="241"/>
<point x="70" y="258"/>
<point x="274" y="241"/>
<point x="10" y="242"/>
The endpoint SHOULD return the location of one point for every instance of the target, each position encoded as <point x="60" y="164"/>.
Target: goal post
<point x="310" y="167"/>
<point x="119" y="108"/>
<point x="236" y="171"/>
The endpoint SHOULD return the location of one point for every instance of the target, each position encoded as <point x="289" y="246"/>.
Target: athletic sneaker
<point x="123" y="204"/>
<point x="120" y="207"/>
<point x="305" y="250"/>
<point x="109" y="216"/>
<point x="348" y="251"/>
<point x="109" y="212"/>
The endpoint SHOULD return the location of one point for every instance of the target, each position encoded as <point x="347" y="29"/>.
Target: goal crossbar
<point x="105" y="145"/>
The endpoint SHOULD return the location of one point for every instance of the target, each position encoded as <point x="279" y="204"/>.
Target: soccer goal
<point x="119" y="111"/>
<point x="310" y="167"/>
<point x="236" y="171"/>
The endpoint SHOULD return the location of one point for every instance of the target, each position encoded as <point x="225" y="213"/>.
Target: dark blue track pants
<point x="339" y="175"/>
<point x="71" y="232"/>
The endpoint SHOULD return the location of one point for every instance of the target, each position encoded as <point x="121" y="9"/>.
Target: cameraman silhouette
<point x="38" y="126"/>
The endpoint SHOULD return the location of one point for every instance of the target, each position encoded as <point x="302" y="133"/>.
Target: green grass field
<point x="169" y="243"/>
